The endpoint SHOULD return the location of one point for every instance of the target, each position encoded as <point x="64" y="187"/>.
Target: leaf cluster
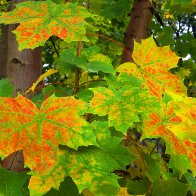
<point x="104" y="129"/>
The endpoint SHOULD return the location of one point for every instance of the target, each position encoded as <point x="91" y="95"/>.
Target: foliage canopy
<point x="80" y="135"/>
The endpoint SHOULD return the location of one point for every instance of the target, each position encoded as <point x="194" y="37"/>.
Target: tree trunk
<point x="22" y="67"/>
<point x="3" y="50"/>
<point x="138" y="28"/>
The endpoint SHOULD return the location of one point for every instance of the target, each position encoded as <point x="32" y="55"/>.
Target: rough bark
<point x="138" y="28"/>
<point x="3" y="51"/>
<point x="22" y="67"/>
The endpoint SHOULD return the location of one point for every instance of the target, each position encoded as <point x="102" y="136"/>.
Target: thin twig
<point x="55" y="49"/>
<point x="78" y="72"/>
<point x="92" y="81"/>
<point x="157" y="142"/>
<point x="137" y="147"/>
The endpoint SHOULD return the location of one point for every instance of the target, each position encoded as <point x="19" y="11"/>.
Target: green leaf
<point x="165" y="36"/>
<point x="66" y="188"/>
<point x="88" y="61"/>
<point x="123" y="106"/>
<point x="185" y="2"/>
<point x="90" y="51"/>
<point x="112" y="148"/>
<point x="38" y="99"/>
<point x="52" y="192"/>
<point x="191" y="181"/>
<point x="137" y="188"/>
<point x="112" y="9"/>
<point x="100" y="62"/>
<point x="182" y="162"/>
<point x="130" y="80"/>
<point x="101" y="129"/>
<point x="42" y="19"/>
<point x="6" y="88"/>
<point x="153" y="168"/>
<point x="11" y="183"/>
<point x="179" y="7"/>
<point x="68" y="61"/>
<point x="92" y="167"/>
<point x="85" y="94"/>
<point x="169" y="188"/>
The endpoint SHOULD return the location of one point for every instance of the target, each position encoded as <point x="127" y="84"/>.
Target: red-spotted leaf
<point x="185" y="108"/>
<point x="91" y="167"/>
<point x="152" y="65"/>
<point x="177" y="129"/>
<point x="42" y="19"/>
<point x="39" y="132"/>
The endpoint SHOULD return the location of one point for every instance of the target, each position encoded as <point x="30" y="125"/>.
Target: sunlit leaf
<point x="185" y="108"/>
<point x="39" y="132"/>
<point x="122" y="106"/>
<point x="42" y="19"/>
<point x="177" y="132"/>
<point x="152" y="65"/>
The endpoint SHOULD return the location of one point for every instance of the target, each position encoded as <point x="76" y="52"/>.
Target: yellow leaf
<point x="167" y="15"/>
<point x="48" y="73"/>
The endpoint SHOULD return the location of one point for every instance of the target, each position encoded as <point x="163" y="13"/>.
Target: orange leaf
<point x="39" y="132"/>
<point x="152" y="65"/>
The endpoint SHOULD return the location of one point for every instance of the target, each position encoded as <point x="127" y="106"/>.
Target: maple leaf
<point x="169" y="187"/>
<point x="123" y="106"/>
<point x="42" y="19"/>
<point x="12" y="183"/>
<point x="152" y="65"/>
<point x="185" y="109"/>
<point x="176" y="124"/>
<point x="39" y="132"/>
<point x="92" y="167"/>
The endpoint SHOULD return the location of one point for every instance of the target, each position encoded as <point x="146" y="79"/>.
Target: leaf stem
<point x="78" y="72"/>
<point x="137" y="147"/>
<point x="92" y="81"/>
<point x="54" y="46"/>
<point x="157" y="142"/>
